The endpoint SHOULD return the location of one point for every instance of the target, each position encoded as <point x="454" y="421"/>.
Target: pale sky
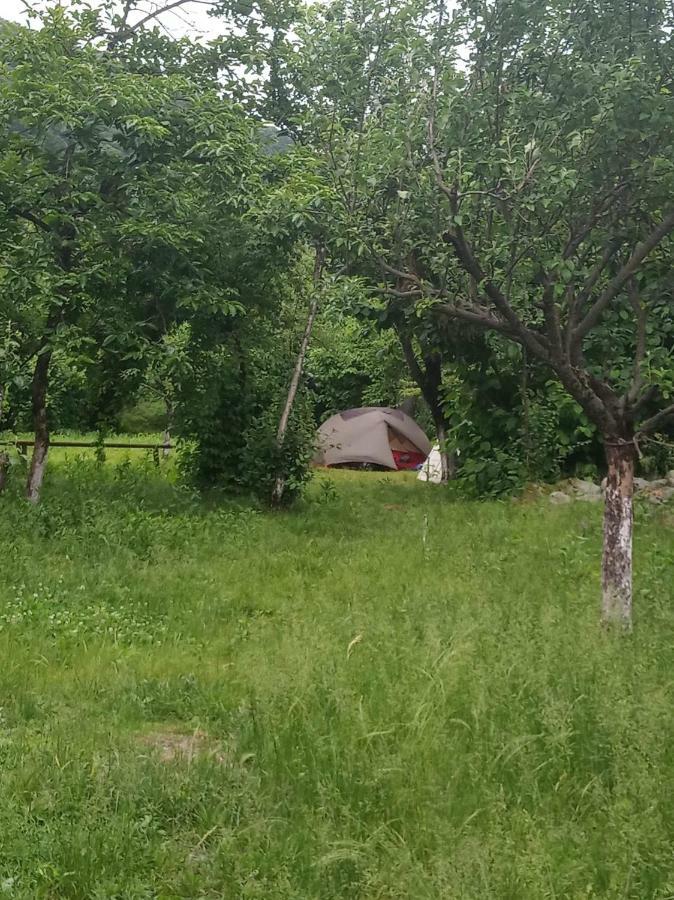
<point x="190" y="19"/>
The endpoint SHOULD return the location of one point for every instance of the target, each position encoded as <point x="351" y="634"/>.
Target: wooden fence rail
<point x="23" y="445"/>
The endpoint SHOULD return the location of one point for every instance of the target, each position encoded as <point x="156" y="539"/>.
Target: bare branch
<point x="602" y="207"/>
<point x="638" y="255"/>
<point x="394" y="292"/>
<point x="515" y="260"/>
<point x="581" y="297"/>
<point x="607" y="255"/>
<point x="406" y="276"/>
<point x="658" y="420"/>
<point x="125" y="12"/>
<point x="524" y="335"/>
<point x="641" y="316"/>
<point x="127" y="31"/>
<point x="478" y="316"/>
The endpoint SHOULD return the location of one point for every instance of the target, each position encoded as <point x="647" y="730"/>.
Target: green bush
<point x="352" y="364"/>
<point x="509" y="430"/>
<point x="146" y="415"/>
<point x="229" y="410"/>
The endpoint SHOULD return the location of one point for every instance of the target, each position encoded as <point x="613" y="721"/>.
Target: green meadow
<point x="388" y="692"/>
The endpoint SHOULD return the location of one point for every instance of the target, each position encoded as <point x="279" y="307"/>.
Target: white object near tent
<point x="432" y="468"/>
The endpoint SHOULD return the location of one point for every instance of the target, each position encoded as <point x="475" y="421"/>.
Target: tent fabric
<point x="404" y="459"/>
<point x="370" y="435"/>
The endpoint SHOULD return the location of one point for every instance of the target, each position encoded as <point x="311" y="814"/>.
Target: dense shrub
<point x="146" y="415"/>
<point x="228" y="412"/>
<point x="512" y="423"/>
<point x="352" y="364"/>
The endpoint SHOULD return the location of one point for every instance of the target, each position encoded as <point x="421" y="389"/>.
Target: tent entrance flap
<point x="406" y="454"/>
<point x="398" y="441"/>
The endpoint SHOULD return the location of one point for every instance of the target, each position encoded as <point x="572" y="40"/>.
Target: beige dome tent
<point x="375" y="435"/>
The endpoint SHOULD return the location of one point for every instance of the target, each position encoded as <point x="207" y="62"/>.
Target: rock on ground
<point x="586" y="490"/>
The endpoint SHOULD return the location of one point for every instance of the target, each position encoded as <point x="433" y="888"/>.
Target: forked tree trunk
<point x="616" y="570"/>
<point x="279" y="484"/>
<point x="38" y="461"/>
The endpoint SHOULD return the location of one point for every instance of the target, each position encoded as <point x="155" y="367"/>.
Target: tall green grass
<point x="398" y="694"/>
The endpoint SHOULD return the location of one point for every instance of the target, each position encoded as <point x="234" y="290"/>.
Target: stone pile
<point x="659" y="490"/>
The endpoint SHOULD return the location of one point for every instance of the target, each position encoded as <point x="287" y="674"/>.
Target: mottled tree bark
<point x="279" y="484"/>
<point x="38" y="461"/>
<point x="618" y="520"/>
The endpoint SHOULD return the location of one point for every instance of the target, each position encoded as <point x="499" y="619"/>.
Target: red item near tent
<point x="406" y="459"/>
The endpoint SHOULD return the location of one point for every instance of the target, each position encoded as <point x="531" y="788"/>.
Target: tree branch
<point x="411" y="358"/>
<point x="641" y="315"/>
<point x="477" y="316"/>
<point x="525" y="335"/>
<point x="127" y="31"/>
<point x="579" y="299"/>
<point x="603" y="206"/>
<point x="394" y="292"/>
<point x="647" y="396"/>
<point x="551" y="314"/>
<point x="29" y="217"/>
<point x="405" y="276"/>
<point x="638" y="255"/>
<point x="662" y="418"/>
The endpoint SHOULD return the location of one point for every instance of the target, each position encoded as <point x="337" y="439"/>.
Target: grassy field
<point x="386" y="693"/>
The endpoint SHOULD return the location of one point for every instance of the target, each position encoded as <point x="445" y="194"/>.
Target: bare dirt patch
<point x="173" y="745"/>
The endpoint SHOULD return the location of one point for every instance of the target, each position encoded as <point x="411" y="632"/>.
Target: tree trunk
<point x="616" y="568"/>
<point x="429" y="381"/>
<point x="4" y="468"/>
<point x="166" y="436"/>
<point x="4" y="457"/>
<point x="38" y="461"/>
<point x="279" y="485"/>
<point x="447" y="460"/>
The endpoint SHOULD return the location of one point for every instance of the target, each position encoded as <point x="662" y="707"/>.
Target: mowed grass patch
<point x="387" y="692"/>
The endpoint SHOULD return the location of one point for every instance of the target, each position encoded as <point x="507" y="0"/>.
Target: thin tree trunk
<point x="447" y="460"/>
<point x="4" y="456"/>
<point x="429" y="381"/>
<point x="526" y="424"/>
<point x="618" y="520"/>
<point x="279" y="486"/>
<point x="38" y="461"/>
<point x="166" y="436"/>
<point x="4" y="469"/>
